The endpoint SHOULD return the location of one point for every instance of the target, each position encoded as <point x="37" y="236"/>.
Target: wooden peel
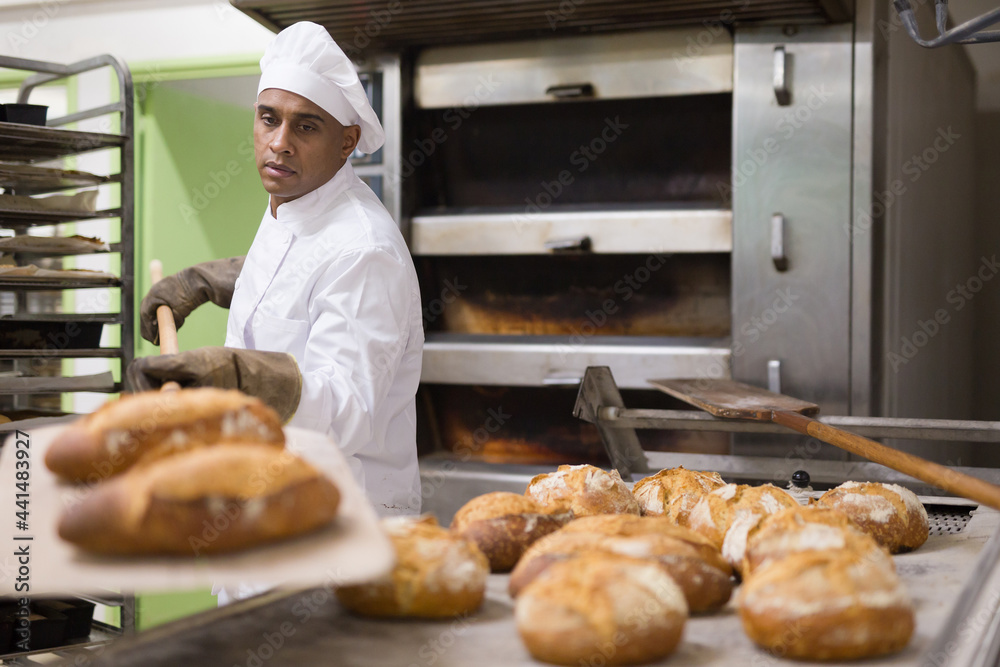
<point x="165" y="324"/>
<point x="735" y="400"/>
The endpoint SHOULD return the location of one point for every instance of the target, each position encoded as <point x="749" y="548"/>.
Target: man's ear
<point x="352" y="135"/>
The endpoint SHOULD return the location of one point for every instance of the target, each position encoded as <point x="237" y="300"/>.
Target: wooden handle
<point x="943" y="477"/>
<point x="165" y="324"/>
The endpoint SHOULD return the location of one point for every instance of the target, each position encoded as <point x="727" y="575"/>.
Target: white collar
<point x="296" y="215"/>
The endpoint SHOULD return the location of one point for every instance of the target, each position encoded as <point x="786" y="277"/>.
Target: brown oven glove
<point x="187" y="289"/>
<point x="273" y="377"/>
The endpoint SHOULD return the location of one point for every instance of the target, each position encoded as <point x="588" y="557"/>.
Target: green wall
<point x="199" y="195"/>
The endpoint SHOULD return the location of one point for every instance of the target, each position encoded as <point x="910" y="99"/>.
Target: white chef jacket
<point x="331" y="282"/>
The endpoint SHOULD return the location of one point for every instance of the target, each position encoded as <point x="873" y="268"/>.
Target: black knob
<point x="800" y="479"/>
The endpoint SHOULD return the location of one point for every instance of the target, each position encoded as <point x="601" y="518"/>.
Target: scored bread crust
<point x="891" y="514"/>
<point x="601" y="609"/>
<point x="673" y="492"/>
<point x="437" y="574"/>
<point x="152" y="425"/>
<point x="583" y="489"/>
<point x="827" y="606"/>
<point x="706" y="584"/>
<point x="726" y="515"/>
<point x="503" y="525"/>
<point x="205" y="501"/>
<point x="801" y="529"/>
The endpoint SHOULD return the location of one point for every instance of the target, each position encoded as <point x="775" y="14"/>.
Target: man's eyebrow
<point x="263" y="108"/>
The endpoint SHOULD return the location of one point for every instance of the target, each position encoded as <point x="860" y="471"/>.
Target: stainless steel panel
<point x="794" y="161"/>
<point x="376" y="25"/>
<point x="646" y="64"/>
<point x="526" y="362"/>
<point x="679" y="230"/>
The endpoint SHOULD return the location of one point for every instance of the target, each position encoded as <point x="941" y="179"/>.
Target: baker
<point x="325" y="323"/>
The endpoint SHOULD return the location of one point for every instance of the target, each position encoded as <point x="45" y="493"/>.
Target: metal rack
<point x="27" y="153"/>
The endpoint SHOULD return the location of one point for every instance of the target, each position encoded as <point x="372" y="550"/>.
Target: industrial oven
<point x="776" y="192"/>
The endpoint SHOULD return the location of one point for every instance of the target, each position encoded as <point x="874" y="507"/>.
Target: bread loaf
<point x="726" y="515"/>
<point x="673" y="492"/>
<point x="504" y="524"/>
<point x="151" y="425"/>
<point x="695" y="565"/>
<point x="601" y="609"/>
<point x="799" y="529"/>
<point x="204" y="501"/>
<point x="826" y="606"/>
<point x="437" y="574"/>
<point x="891" y="514"/>
<point x="583" y="489"/>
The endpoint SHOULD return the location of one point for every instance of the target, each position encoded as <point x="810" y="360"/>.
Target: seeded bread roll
<point x="151" y="425"/>
<point x="827" y="606"/>
<point x="210" y="500"/>
<point x="504" y="524"/>
<point x="673" y="492"/>
<point x="694" y="565"/>
<point x="726" y="515"/>
<point x="583" y="489"/>
<point x="894" y="516"/>
<point x="798" y="529"/>
<point x="601" y="609"/>
<point x="437" y="574"/>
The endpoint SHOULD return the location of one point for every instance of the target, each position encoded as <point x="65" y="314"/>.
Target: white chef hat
<point x="303" y="59"/>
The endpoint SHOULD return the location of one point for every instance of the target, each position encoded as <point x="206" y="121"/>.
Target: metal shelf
<point x="56" y="284"/>
<point x="90" y="353"/>
<point x="32" y="143"/>
<point x="29" y="180"/>
<point x="12" y="217"/>
<point x="100" y="633"/>
<point x="100" y="382"/>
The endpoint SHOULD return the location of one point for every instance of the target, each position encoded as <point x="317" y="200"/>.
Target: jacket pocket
<point x="276" y="334"/>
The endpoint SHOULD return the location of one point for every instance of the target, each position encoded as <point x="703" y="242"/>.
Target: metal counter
<point x="952" y="580"/>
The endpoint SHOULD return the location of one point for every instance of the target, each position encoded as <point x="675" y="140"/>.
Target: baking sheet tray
<point x="313" y="627"/>
<point x="25" y="179"/>
<point x="351" y="549"/>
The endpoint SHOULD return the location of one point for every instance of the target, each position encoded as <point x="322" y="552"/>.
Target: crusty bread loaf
<point x="798" y="529"/>
<point x="894" y="516"/>
<point x="826" y="606"/>
<point x="601" y="609"/>
<point x="705" y="581"/>
<point x="151" y="425"/>
<point x="726" y="515"/>
<point x="504" y="524"/>
<point x="673" y="492"/>
<point x="437" y="574"/>
<point x="583" y="489"/>
<point x="209" y="500"/>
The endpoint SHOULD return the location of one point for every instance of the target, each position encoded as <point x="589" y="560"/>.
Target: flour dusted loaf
<point x="800" y="529"/>
<point x="827" y="606"/>
<point x="894" y="516"/>
<point x="726" y="515"/>
<point x="437" y="574"/>
<point x="504" y="524"/>
<point x="583" y="489"/>
<point x="204" y="501"/>
<point x="694" y="564"/>
<point x="601" y="609"/>
<point x="151" y="425"/>
<point x="673" y="492"/>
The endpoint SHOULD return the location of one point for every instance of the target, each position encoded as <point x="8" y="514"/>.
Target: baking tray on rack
<point x="31" y="143"/>
<point x="28" y="179"/>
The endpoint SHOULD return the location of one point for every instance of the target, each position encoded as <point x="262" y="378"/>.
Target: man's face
<point x="298" y="145"/>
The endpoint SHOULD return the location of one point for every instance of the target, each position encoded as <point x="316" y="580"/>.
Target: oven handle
<point x="571" y="244"/>
<point x="570" y="90"/>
